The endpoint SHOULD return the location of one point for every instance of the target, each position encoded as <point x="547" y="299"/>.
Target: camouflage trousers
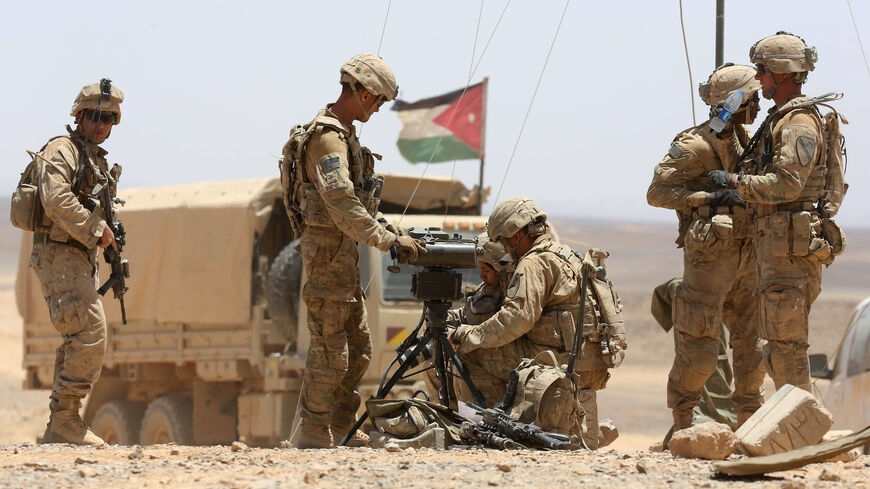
<point x="341" y="345"/>
<point x="715" y="396"/>
<point x="719" y="285"/>
<point x="787" y="286"/>
<point x="68" y="277"/>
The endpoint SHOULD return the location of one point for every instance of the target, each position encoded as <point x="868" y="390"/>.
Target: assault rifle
<point x="117" y="280"/>
<point x="497" y="424"/>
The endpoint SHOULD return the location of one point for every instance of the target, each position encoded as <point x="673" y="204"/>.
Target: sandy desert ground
<point x="643" y="255"/>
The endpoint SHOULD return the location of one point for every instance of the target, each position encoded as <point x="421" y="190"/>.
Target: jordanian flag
<point x="449" y="126"/>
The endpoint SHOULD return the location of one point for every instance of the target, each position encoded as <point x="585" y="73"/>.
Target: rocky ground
<point x="635" y="399"/>
<point x="61" y="466"/>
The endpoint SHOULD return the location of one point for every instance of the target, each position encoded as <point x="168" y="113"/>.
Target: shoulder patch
<point x="513" y="290"/>
<point x="806" y="149"/>
<point x="330" y="164"/>
<point x="675" y="152"/>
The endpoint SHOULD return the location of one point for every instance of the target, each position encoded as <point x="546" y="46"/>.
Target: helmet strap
<point x="356" y="94"/>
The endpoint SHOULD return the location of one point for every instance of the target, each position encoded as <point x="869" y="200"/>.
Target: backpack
<point x="541" y="394"/>
<point x="25" y="210"/>
<point x="607" y="326"/>
<point x="291" y="180"/>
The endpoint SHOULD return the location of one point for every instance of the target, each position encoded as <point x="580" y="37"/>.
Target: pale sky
<point x="212" y="88"/>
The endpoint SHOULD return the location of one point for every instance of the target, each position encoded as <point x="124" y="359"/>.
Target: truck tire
<point x="168" y="419"/>
<point x="282" y="291"/>
<point x="117" y="422"/>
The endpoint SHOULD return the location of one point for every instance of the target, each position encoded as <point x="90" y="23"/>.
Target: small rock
<point x="136" y="454"/>
<point x="238" y="446"/>
<point x="583" y="470"/>
<point x="102" y="447"/>
<point x="84" y="460"/>
<point x="175" y="451"/>
<point x="15" y="451"/>
<point x="504" y="467"/>
<point x="285" y="444"/>
<point x="87" y="472"/>
<point x="492" y="482"/>
<point x="309" y="479"/>
<point x="642" y="468"/>
<point x="829" y="476"/>
<point x="152" y="456"/>
<point x="391" y="447"/>
<point x="656" y="448"/>
<point x="793" y="484"/>
<point x="711" y="441"/>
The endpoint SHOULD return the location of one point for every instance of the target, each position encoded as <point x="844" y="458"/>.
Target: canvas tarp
<point x="190" y="249"/>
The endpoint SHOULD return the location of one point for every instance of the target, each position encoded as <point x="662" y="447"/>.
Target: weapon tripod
<point x="435" y="318"/>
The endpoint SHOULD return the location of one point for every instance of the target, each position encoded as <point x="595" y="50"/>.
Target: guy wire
<point x="858" y="35"/>
<point x="688" y="65"/>
<point x="531" y="102"/>
<point x="449" y="120"/>
<point x="470" y="71"/>
<point x="384" y="28"/>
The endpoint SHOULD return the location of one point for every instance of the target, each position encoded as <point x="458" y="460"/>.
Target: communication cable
<point x="688" y="65"/>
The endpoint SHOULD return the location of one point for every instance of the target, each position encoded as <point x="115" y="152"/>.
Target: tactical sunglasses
<point x="761" y="69"/>
<point x="104" y="117"/>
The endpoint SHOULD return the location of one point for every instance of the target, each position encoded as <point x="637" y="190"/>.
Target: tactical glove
<point x="721" y="179"/>
<point x="724" y="198"/>
<point x="389" y="227"/>
<point x="409" y="248"/>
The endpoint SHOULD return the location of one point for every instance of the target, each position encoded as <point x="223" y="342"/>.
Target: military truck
<point x="216" y="341"/>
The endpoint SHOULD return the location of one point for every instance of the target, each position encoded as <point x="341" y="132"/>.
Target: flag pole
<point x="482" y="149"/>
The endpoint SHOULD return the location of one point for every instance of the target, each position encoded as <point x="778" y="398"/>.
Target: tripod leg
<point x="463" y="372"/>
<point x="390" y="383"/>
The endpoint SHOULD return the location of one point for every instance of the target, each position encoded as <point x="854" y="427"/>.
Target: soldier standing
<point x="787" y="185"/>
<point x="332" y="201"/>
<point x="718" y="256"/>
<point x="64" y="256"/>
<point x="539" y="312"/>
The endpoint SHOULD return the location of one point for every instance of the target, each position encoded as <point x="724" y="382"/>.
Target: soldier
<point x="336" y="193"/>
<point x="786" y="183"/>
<point x="539" y="312"/>
<point x="718" y="256"/>
<point x="495" y="273"/>
<point x="64" y="256"/>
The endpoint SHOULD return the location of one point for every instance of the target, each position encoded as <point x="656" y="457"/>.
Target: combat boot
<point x="314" y="436"/>
<point x="66" y="426"/>
<point x="683" y="419"/>
<point x="359" y="439"/>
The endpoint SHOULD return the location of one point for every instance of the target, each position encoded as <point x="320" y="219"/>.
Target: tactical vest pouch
<point x="834" y="235"/>
<point x="313" y="209"/>
<point x="801" y="233"/>
<point x="773" y="235"/>
<point x="546" y="397"/>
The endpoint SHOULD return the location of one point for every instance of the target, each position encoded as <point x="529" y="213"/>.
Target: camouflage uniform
<point x="788" y="178"/>
<point x="715" y="396"/>
<point x="65" y="261"/>
<point x="718" y="270"/>
<point x="788" y="241"/>
<point x="341" y="205"/>
<point x="538" y="314"/>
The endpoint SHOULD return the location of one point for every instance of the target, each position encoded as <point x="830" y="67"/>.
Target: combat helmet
<point x="93" y="97"/>
<point x="784" y="52"/>
<point x="373" y="73"/>
<point x="514" y="214"/>
<point x="725" y="80"/>
<point x="493" y="253"/>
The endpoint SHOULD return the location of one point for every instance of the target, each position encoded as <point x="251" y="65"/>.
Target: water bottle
<point x="732" y="103"/>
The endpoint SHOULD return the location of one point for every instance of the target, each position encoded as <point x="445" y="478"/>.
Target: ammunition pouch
<point x="801" y="234"/>
<point x="707" y="236"/>
<point x="834" y="235"/>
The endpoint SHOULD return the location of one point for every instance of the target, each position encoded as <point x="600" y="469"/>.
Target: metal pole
<point x="482" y="150"/>
<point x="720" y="33"/>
